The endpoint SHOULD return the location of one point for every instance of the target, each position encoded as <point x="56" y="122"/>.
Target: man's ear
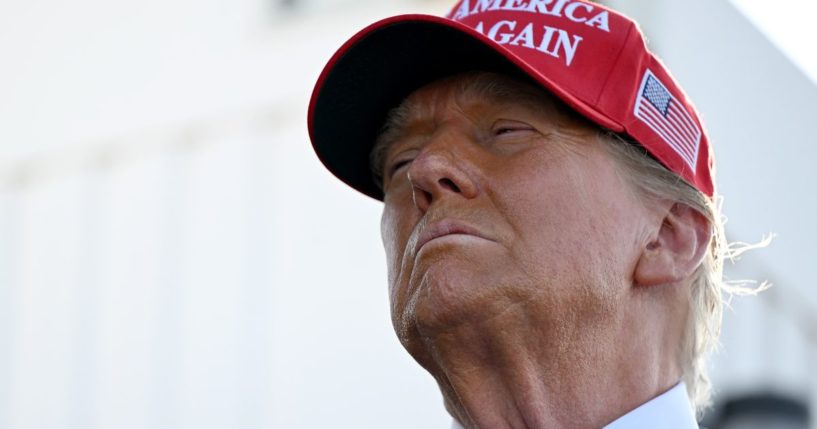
<point x="677" y="249"/>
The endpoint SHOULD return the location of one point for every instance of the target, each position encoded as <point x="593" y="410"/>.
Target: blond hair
<point x="653" y="180"/>
<point x="708" y="289"/>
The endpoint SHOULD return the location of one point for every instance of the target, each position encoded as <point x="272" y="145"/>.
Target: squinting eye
<point x="507" y="127"/>
<point x="505" y="131"/>
<point x="394" y="168"/>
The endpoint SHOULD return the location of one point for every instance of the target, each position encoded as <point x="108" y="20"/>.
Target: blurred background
<point x="172" y="254"/>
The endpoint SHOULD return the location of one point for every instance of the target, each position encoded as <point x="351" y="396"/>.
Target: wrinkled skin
<point x="523" y="300"/>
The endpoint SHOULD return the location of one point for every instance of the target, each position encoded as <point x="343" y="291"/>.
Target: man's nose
<point x="439" y="172"/>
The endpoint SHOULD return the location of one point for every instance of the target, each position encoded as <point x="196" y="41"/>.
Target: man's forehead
<point x="484" y="91"/>
<point x="493" y="91"/>
<point x="490" y="88"/>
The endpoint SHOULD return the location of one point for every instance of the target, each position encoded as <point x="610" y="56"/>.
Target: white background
<point x="173" y="255"/>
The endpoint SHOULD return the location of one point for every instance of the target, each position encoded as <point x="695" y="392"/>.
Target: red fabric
<point x="592" y="58"/>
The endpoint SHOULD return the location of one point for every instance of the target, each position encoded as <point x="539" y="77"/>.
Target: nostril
<point x="447" y="183"/>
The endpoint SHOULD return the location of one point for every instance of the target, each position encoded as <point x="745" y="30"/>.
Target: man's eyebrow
<point x="396" y="121"/>
<point x="501" y="89"/>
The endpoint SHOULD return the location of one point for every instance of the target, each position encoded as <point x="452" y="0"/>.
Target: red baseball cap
<point x="592" y="58"/>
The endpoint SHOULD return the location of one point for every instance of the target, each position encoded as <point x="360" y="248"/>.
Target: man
<point x="552" y="242"/>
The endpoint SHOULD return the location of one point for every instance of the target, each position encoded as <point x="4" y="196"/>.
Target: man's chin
<point x="443" y="302"/>
<point x="432" y="332"/>
<point x="443" y="298"/>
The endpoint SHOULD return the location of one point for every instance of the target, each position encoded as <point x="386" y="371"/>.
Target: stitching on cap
<point x="615" y="64"/>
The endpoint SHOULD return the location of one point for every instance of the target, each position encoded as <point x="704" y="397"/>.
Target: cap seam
<point x="615" y="66"/>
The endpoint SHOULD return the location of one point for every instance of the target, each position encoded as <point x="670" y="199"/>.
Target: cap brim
<point x="380" y="66"/>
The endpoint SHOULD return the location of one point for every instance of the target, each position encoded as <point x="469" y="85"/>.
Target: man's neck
<point x="508" y="386"/>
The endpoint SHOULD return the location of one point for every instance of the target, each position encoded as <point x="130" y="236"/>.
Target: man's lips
<point x="443" y="228"/>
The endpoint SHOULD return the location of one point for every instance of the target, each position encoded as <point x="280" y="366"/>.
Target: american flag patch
<point x="656" y="107"/>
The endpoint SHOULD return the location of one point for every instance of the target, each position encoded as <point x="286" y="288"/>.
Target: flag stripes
<point x="667" y="117"/>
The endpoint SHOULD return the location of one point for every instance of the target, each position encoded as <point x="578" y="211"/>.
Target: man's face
<point x="504" y="217"/>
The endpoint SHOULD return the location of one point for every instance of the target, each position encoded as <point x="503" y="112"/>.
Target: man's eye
<point x="397" y="165"/>
<point x="501" y="131"/>
<point x="508" y="127"/>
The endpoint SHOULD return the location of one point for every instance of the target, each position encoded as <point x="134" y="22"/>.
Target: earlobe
<point x="676" y="250"/>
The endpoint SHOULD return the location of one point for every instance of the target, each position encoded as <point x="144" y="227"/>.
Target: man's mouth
<point x="444" y="228"/>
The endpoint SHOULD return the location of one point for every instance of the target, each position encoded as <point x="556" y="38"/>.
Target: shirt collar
<point x="669" y="410"/>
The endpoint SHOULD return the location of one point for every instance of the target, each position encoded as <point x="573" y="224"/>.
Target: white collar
<point x="669" y="410"/>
